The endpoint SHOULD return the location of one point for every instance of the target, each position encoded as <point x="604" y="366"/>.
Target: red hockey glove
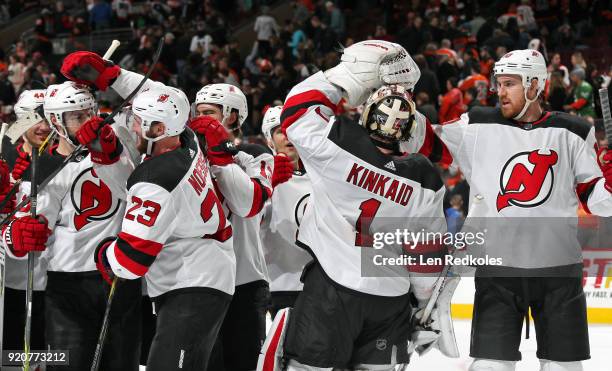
<point x="90" y="69"/>
<point x="109" y="149"/>
<point x="220" y="149"/>
<point x="604" y="159"/>
<point x="101" y="260"/>
<point x="283" y="169"/>
<point x="21" y="164"/>
<point x="27" y="234"/>
<point x="5" y="187"/>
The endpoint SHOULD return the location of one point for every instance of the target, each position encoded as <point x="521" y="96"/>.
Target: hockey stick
<point x="95" y="365"/>
<point x="607" y="116"/>
<point x="17" y="184"/>
<point x="30" y="286"/>
<point x="2" y="258"/>
<point x="81" y="148"/>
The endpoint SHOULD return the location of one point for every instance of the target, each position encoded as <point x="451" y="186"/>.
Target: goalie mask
<point x="28" y="111"/>
<point x="389" y="116"/>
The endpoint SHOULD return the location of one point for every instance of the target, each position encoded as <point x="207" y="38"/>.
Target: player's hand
<point x="21" y="164"/>
<point x="283" y="169"/>
<point x="90" y="69"/>
<point x="220" y="149"/>
<point x="424" y="336"/>
<point x="604" y="159"/>
<point x="101" y="260"/>
<point x="5" y="187"/>
<point x="28" y="234"/>
<point x="100" y="139"/>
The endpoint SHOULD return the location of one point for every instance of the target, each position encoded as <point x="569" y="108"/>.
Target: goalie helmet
<point x="161" y="104"/>
<point x="66" y="97"/>
<point x="28" y="111"/>
<point x="389" y="116"/>
<point x="270" y="121"/>
<point x="528" y="64"/>
<point x="228" y="96"/>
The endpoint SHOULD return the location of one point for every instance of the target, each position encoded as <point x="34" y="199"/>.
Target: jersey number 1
<point x="368" y="208"/>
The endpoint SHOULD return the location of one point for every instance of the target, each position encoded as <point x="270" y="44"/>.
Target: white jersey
<point x="81" y="210"/>
<point x="16" y="274"/>
<point x="282" y="217"/>
<point x="357" y="191"/>
<point x="246" y="187"/>
<point x="542" y="169"/>
<point x="174" y="231"/>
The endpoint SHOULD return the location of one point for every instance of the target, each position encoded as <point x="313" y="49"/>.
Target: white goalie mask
<point x="389" y="116"/>
<point x="529" y="65"/>
<point x="66" y="98"/>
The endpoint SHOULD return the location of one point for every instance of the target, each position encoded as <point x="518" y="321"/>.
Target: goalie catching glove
<point x="367" y="65"/>
<point x="90" y="69"/>
<point x="101" y="141"/>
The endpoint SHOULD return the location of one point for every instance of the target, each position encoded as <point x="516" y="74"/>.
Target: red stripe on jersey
<point x="583" y="190"/>
<point x="260" y="195"/>
<point x="310" y="97"/>
<point x="270" y="356"/>
<point x="127" y="263"/>
<point x="430" y="143"/>
<point x="425" y="268"/>
<point x="145" y="246"/>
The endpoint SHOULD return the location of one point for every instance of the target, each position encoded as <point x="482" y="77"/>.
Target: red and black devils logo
<point x="92" y="199"/>
<point x="526" y="179"/>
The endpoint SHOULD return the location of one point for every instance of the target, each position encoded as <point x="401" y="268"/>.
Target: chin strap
<point x="526" y="106"/>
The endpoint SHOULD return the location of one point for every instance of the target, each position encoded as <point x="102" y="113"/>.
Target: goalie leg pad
<point x="447" y="343"/>
<point x="546" y="365"/>
<point x="481" y="364"/>
<point x="271" y="355"/>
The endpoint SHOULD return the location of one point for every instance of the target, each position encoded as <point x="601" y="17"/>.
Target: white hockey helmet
<point x="528" y="64"/>
<point x="228" y="96"/>
<point x="66" y="97"/>
<point x="270" y="121"/>
<point x="161" y="104"/>
<point x="389" y="115"/>
<point x="28" y="112"/>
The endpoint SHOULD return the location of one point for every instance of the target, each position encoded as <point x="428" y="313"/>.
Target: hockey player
<point x="245" y="176"/>
<point x="527" y="163"/>
<point x="76" y="210"/>
<point x="174" y="231"/>
<point x="29" y="131"/>
<point x="345" y="318"/>
<point x="282" y="217"/>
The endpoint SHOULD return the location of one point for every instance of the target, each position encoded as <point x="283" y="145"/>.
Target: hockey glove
<point x="27" y="234"/>
<point x="5" y="187"/>
<point x="604" y="159"/>
<point x="220" y="149"/>
<point x="101" y="141"/>
<point x="90" y="69"/>
<point x="101" y="260"/>
<point x="21" y="164"/>
<point x="283" y="169"/>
